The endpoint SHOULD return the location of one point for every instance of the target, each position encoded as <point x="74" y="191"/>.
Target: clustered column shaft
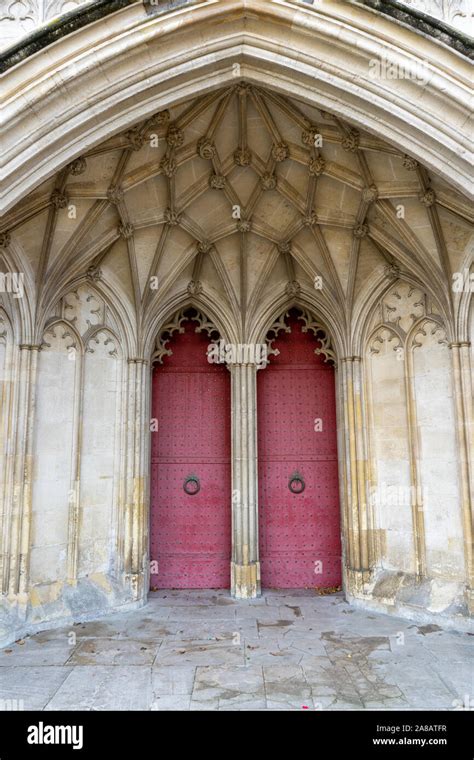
<point x="245" y="566"/>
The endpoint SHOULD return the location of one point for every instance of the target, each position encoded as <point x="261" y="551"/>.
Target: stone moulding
<point x="423" y="23"/>
<point x="60" y="27"/>
<point x="343" y="84"/>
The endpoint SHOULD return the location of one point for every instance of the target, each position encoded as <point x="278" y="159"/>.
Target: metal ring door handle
<point x="191" y="485"/>
<point x="296" y="483"/>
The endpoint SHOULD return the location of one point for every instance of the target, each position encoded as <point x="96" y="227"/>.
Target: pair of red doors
<point x="299" y="526"/>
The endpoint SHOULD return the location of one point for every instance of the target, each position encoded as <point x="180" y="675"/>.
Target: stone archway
<point x="270" y="45"/>
<point x="265" y="190"/>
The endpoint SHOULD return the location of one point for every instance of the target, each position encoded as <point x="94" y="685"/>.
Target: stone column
<point x="135" y="550"/>
<point x="358" y="551"/>
<point x="463" y="400"/>
<point x="23" y="473"/>
<point x="245" y="566"/>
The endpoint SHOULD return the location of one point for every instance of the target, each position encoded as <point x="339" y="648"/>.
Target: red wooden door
<point x="190" y="468"/>
<point x="299" y="532"/>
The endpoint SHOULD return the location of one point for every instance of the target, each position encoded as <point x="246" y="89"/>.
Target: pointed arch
<point x="274" y="307"/>
<point x="122" y="318"/>
<point x="217" y="314"/>
<point x="383" y="285"/>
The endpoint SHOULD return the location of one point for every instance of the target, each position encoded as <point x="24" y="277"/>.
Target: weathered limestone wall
<point x="75" y="533"/>
<point x="53" y="471"/>
<point x="416" y="486"/>
<point x="77" y="473"/>
<point x="391" y="456"/>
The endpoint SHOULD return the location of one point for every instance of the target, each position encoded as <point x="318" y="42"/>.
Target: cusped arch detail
<point x="167" y="331"/>
<point x="309" y="325"/>
<point x="381" y="334"/>
<point x="434" y="324"/>
<point x="19" y="306"/>
<point x="69" y="332"/>
<point x="273" y="309"/>
<point x="171" y="314"/>
<point x="364" y="325"/>
<point x="122" y="328"/>
<point x="111" y="336"/>
<point x="466" y="303"/>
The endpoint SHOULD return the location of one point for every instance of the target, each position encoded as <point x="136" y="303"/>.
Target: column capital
<point x="351" y="359"/>
<point x="29" y="347"/>
<point x="255" y="364"/>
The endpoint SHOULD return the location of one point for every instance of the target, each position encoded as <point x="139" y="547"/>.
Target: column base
<point x="245" y="580"/>
<point x="469" y="596"/>
<point x="137" y="586"/>
<point x="357" y="581"/>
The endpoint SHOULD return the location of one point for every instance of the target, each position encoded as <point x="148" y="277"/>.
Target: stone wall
<point x="415" y="471"/>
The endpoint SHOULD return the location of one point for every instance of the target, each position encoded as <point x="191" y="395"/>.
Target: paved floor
<point x="205" y="651"/>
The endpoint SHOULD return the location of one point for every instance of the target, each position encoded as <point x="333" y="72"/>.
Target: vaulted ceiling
<point x="239" y="194"/>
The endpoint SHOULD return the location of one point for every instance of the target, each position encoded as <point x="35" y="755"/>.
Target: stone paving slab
<point x="172" y="702"/>
<point x="202" y="612"/>
<point x="33" y="687"/>
<point x="286" y="686"/>
<point x="232" y="630"/>
<point x="200" y="652"/>
<point x="115" y="652"/>
<point x="172" y="682"/>
<point x="218" y="597"/>
<point x="105" y="687"/>
<point x="38" y="651"/>
<point x="203" y="650"/>
<point x="231" y="687"/>
<point x="269" y="652"/>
